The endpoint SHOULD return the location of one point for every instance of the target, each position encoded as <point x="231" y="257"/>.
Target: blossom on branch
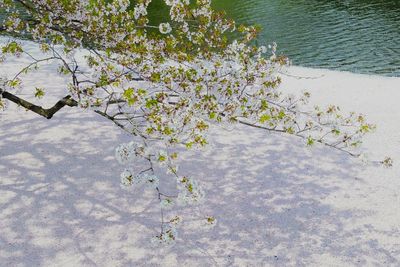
<point x="166" y="84"/>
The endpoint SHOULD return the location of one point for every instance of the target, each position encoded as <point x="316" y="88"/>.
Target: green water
<point x="361" y="36"/>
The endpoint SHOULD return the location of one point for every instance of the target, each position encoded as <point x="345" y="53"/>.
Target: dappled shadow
<point x="277" y="202"/>
<point x="59" y="182"/>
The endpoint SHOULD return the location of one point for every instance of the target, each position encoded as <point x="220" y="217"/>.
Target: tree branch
<point x="320" y="141"/>
<point x="105" y="115"/>
<point x="47" y="113"/>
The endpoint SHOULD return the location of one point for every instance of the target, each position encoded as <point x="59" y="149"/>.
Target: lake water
<point x="361" y="36"/>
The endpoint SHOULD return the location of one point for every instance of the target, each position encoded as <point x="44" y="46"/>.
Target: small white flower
<point x="142" y="150"/>
<point x="190" y="192"/>
<point x="167" y="237"/>
<point x="165" y="28"/>
<point x="127" y="177"/>
<point x="387" y="162"/>
<point x="176" y="220"/>
<point x="162" y="156"/>
<point x="139" y="11"/>
<point x="210" y="222"/>
<point x="185" y="27"/>
<point x="125" y="153"/>
<point x="262" y="49"/>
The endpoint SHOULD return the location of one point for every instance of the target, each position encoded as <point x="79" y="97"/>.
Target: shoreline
<point x="312" y="69"/>
<point x="295" y="67"/>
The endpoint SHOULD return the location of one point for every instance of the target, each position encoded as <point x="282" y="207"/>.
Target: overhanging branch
<point x="47" y="113"/>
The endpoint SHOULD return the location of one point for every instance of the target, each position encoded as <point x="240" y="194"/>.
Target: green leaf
<point x="264" y="118"/>
<point x="310" y="141"/>
<point x="281" y="115"/>
<point x="39" y="93"/>
<point x="189" y="145"/>
<point x="151" y="103"/>
<point x="130" y="97"/>
<point x="12" y="48"/>
<point x="14" y="83"/>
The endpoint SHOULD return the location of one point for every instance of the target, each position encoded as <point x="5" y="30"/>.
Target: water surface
<point x="361" y="36"/>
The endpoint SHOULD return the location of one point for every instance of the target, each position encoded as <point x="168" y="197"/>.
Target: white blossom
<point x="165" y="28"/>
<point x="262" y="49"/>
<point x="167" y="237"/>
<point x="127" y="177"/>
<point x="125" y="153"/>
<point x="190" y="192"/>
<point x="140" y="10"/>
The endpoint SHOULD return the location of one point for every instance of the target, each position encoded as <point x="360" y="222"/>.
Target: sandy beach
<point x="278" y="203"/>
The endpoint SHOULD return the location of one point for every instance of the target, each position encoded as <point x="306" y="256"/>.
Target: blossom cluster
<point x="129" y="178"/>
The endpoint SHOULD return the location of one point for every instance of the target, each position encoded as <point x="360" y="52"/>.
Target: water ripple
<point x="354" y="35"/>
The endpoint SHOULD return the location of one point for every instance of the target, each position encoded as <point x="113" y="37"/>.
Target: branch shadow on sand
<point x="274" y="200"/>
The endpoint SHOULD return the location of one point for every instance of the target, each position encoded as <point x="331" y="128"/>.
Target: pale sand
<point x="277" y="202"/>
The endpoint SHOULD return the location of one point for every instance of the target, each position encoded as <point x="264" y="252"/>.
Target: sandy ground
<point x="277" y="202"/>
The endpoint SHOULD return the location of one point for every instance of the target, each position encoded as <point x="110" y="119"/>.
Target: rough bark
<point x="47" y="113"/>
